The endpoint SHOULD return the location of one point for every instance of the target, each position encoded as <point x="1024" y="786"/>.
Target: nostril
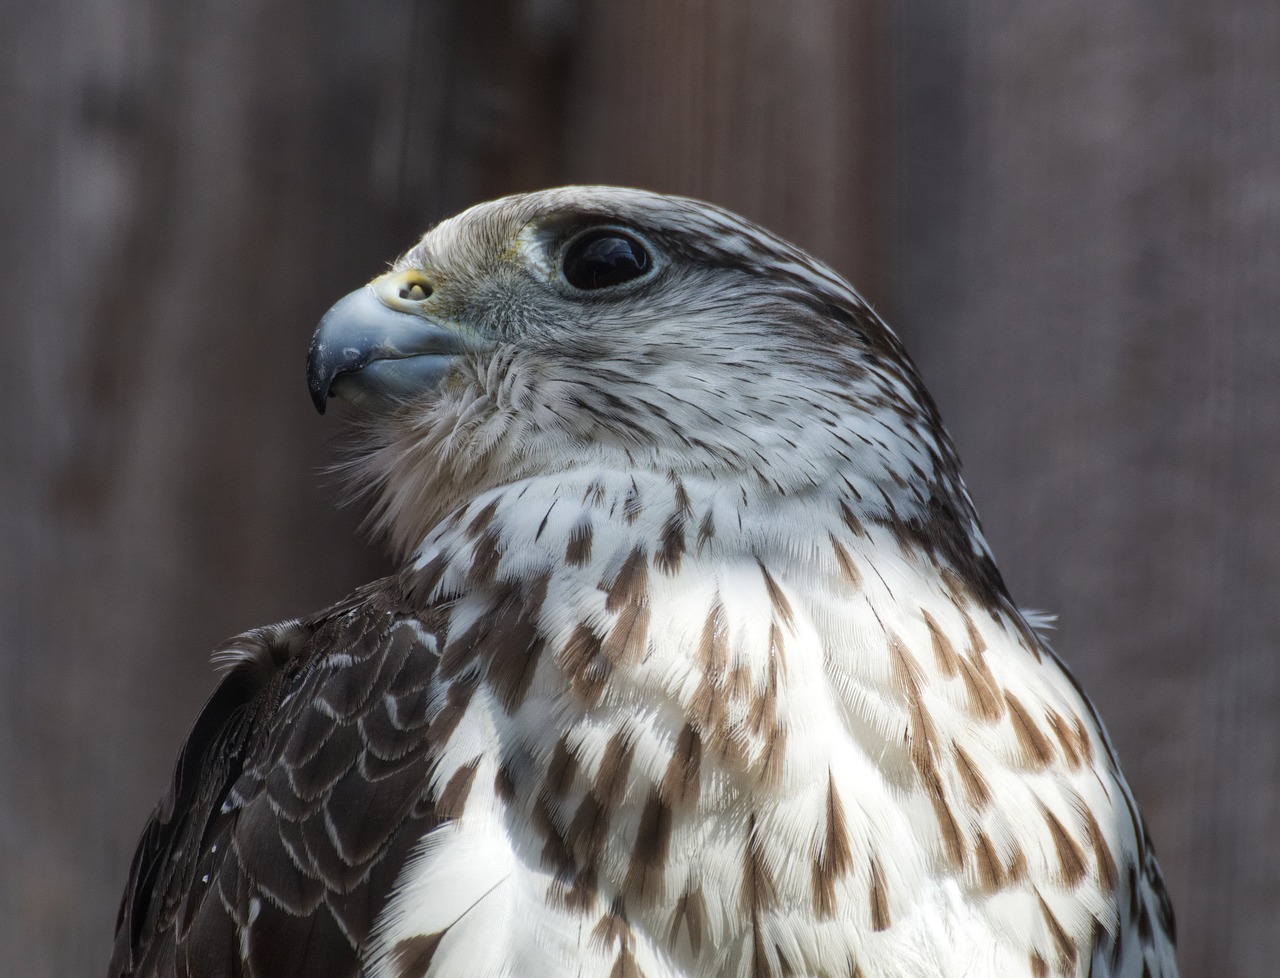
<point x="415" y="292"/>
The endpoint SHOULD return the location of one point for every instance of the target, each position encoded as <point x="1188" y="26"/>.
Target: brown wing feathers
<point x="295" y="801"/>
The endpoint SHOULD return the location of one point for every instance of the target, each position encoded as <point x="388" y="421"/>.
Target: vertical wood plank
<point x="185" y="189"/>
<point x="769" y="109"/>
<point x="1087" y="233"/>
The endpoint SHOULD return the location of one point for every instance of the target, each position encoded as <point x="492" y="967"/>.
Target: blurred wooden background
<point x="1070" y="211"/>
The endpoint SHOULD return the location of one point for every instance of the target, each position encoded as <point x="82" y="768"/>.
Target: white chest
<point x="697" y="758"/>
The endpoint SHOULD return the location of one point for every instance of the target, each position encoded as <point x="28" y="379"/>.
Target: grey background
<point x="1069" y="210"/>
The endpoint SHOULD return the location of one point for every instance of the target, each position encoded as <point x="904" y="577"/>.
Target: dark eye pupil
<point x="603" y="258"/>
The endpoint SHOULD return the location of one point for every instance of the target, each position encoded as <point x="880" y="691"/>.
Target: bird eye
<point x="599" y="259"/>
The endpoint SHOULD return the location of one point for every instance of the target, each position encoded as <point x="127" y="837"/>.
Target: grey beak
<point x="375" y="347"/>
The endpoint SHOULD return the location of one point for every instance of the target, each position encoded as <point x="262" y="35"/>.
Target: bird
<point x="695" y="661"/>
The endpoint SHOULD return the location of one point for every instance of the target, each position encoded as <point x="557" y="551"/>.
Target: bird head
<point x="622" y="330"/>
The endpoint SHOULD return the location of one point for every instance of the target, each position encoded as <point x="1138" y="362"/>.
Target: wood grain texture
<point x="767" y="108"/>
<point x="1071" y="213"/>
<point x="1086" y="244"/>
<point x="189" y="188"/>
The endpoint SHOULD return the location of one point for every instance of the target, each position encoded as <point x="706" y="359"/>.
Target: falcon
<point x="696" y="662"/>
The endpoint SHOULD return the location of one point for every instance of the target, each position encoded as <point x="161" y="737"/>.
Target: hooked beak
<point x="380" y="346"/>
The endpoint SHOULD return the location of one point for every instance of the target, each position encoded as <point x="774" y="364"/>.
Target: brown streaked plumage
<point x="697" y="664"/>
<point x="877" y="899"/>
<point x="834" y="858"/>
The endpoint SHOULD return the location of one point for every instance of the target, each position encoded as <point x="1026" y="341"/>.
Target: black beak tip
<point x="319" y="380"/>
